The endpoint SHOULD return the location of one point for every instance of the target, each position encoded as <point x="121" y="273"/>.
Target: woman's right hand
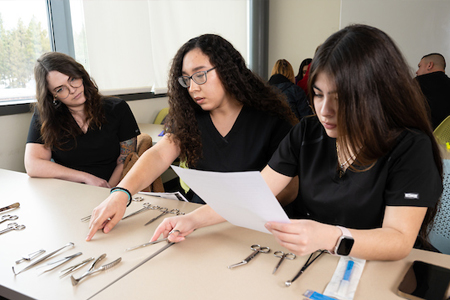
<point x="177" y="227"/>
<point x="108" y="213"/>
<point x="95" y="181"/>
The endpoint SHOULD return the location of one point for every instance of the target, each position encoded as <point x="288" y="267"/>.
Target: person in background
<point x="222" y="118"/>
<point x="76" y="134"/>
<point x="435" y="85"/>
<point x="302" y="69"/>
<point x="282" y="77"/>
<point x="369" y="168"/>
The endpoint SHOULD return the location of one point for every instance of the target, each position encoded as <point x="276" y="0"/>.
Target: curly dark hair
<point x="57" y="124"/>
<point x="238" y="81"/>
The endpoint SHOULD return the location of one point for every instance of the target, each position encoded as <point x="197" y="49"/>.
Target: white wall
<point x="14" y="131"/>
<point x="297" y="27"/>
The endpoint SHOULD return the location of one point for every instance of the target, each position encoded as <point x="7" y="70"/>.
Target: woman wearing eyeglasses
<point x="76" y="134"/>
<point x="222" y="118"/>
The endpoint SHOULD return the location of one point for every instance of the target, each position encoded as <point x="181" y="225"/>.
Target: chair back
<point x="442" y="132"/>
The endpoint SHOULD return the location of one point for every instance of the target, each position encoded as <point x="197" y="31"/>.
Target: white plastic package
<point x="345" y="279"/>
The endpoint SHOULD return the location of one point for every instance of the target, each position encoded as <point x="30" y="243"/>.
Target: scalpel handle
<point x="14" y="205"/>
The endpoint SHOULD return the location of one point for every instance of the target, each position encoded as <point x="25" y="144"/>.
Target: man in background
<point x="435" y="85"/>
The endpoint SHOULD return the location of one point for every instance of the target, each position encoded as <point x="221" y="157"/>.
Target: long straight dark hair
<point x="378" y="96"/>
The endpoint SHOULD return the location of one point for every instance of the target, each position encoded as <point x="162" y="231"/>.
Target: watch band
<point x="345" y="231"/>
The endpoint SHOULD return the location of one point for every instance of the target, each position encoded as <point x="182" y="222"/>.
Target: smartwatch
<point x="345" y="242"/>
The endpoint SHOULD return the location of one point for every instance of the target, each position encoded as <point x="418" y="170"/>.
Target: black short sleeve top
<point x="406" y="176"/>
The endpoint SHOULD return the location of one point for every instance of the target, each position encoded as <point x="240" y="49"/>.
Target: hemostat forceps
<point x="256" y="250"/>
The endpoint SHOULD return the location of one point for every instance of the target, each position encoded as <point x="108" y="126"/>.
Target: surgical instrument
<point x="42" y="258"/>
<point x="90" y="272"/>
<point x="282" y="256"/>
<point x="311" y="259"/>
<point x="12" y="226"/>
<point x="147" y="206"/>
<point x="60" y="262"/>
<point x="73" y="268"/>
<point x="14" y="205"/>
<point x="8" y="218"/>
<point x="146" y="244"/>
<point x="30" y="256"/>
<point x="256" y="250"/>
<point x="165" y="211"/>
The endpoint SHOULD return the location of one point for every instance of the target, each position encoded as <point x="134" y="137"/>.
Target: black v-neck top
<point x="406" y="176"/>
<point x="248" y="146"/>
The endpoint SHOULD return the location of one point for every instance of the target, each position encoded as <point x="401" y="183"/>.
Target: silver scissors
<point x="12" y="226"/>
<point x="256" y="250"/>
<point x="282" y="256"/>
<point x="8" y="218"/>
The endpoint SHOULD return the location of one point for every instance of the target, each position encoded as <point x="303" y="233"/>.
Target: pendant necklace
<point x="341" y="166"/>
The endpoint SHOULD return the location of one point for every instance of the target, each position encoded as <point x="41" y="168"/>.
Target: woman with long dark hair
<point x="76" y="134"/>
<point x="222" y="117"/>
<point x="369" y="168"/>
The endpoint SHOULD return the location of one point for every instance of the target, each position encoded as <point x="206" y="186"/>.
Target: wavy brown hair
<point x="57" y="123"/>
<point x="238" y="81"/>
<point x="378" y="97"/>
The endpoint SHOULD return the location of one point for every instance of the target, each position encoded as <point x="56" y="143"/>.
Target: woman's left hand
<point x="303" y="237"/>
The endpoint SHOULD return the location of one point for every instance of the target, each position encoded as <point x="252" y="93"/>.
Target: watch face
<point x="345" y="246"/>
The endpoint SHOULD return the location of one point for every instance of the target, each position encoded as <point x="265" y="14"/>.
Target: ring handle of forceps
<point x="256" y="249"/>
<point x="281" y="254"/>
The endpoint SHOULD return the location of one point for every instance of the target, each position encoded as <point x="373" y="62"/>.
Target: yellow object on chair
<point x="161" y="115"/>
<point x="442" y="132"/>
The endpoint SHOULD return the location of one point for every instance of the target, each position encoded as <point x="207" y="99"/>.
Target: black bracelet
<point x="121" y="189"/>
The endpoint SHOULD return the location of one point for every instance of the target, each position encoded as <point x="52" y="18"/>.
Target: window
<point x="127" y="46"/>
<point x="23" y="38"/>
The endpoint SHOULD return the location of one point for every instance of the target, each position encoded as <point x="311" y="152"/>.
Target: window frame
<point x="61" y="40"/>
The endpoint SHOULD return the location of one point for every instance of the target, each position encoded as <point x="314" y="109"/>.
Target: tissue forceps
<point x="147" y="206"/>
<point x="146" y="244"/>
<point x="311" y="259"/>
<point x="42" y="259"/>
<point x="282" y="256"/>
<point x="73" y="268"/>
<point x="60" y="262"/>
<point x="256" y="250"/>
<point x="8" y="218"/>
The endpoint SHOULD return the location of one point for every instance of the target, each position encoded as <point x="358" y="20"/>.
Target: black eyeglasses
<point x="198" y="77"/>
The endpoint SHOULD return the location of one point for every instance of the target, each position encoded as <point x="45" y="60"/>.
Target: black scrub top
<point x="406" y="176"/>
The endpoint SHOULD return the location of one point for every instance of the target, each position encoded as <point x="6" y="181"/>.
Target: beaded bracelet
<point x="121" y="189"/>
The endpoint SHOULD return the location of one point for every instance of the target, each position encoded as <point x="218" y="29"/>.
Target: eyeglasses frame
<point x="69" y="82"/>
<point x="192" y="78"/>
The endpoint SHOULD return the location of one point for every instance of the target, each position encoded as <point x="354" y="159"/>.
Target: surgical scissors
<point x="8" y="218"/>
<point x="12" y="226"/>
<point x="282" y="256"/>
<point x="256" y="250"/>
<point x="315" y="255"/>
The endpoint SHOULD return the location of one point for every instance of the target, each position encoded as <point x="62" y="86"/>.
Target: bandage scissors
<point x="311" y="259"/>
<point x="256" y="250"/>
<point x="8" y="218"/>
<point x="282" y="256"/>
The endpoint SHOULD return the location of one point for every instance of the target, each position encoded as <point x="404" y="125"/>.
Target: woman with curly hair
<point x="76" y="134"/>
<point x="369" y="168"/>
<point x="222" y="118"/>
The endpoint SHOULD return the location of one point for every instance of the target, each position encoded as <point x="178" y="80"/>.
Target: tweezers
<point x="146" y="244"/>
<point x="73" y="268"/>
<point x="60" y="262"/>
<point x="41" y="259"/>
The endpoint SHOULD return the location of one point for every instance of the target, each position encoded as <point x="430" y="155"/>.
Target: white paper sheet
<point x="242" y="198"/>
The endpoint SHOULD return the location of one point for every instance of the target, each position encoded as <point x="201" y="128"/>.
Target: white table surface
<point x="193" y="269"/>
